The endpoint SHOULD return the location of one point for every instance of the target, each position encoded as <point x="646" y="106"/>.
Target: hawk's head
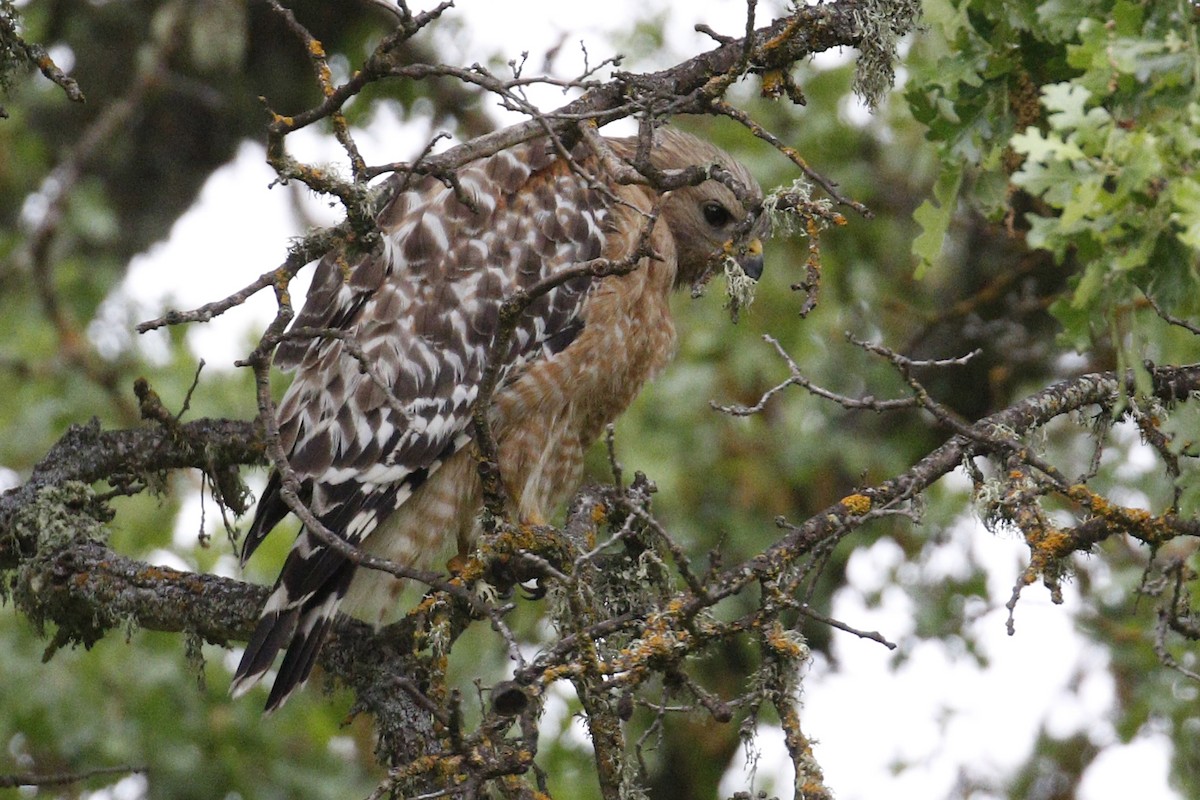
<point x="710" y="220"/>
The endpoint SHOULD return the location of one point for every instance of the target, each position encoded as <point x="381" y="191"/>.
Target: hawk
<point x="376" y="423"/>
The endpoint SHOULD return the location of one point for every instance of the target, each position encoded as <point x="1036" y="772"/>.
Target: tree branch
<point x="74" y="581"/>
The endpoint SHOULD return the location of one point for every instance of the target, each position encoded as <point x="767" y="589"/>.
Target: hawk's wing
<point x="417" y="319"/>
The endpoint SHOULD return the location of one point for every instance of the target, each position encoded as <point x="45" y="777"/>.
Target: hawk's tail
<point x="297" y="616"/>
<point x="315" y="577"/>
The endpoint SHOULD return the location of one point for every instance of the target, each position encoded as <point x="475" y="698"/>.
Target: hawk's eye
<point x="716" y="215"/>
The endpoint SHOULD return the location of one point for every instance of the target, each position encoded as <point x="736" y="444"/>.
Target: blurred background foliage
<point x="1033" y="175"/>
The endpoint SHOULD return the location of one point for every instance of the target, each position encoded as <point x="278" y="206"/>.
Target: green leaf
<point x="1067" y="101"/>
<point x="1127" y="18"/>
<point x="934" y="216"/>
<point x="1076" y="325"/>
<point x="1185" y="197"/>
<point x="945" y="16"/>
<point x="1038" y="178"/>
<point x="1082" y="204"/>
<point x="1089" y="285"/>
<point x="1045" y="147"/>
<point x="1061" y="18"/>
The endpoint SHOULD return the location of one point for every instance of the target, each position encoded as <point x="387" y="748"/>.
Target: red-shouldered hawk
<point x="394" y="475"/>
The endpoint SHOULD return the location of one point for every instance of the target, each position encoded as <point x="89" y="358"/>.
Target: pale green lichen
<point x="792" y="211"/>
<point x="486" y="592"/>
<point x="881" y="25"/>
<point x="739" y="288"/>
<point x="988" y="502"/>
<point x="631" y="776"/>
<point x="193" y="653"/>
<point x="57" y="517"/>
<point x="440" y="635"/>
<point x="60" y="515"/>
<point x="11" y="53"/>
<point x="650" y="567"/>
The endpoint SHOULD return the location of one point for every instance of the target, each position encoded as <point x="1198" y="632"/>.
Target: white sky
<point x="940" y="715"/>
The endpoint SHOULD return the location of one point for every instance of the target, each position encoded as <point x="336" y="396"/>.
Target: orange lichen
<point x="1054" y="542"/>
<point x="552" y="674"/>
<point x="1136" y="522"/>
<point x="784" y="35"/>
<point x="325" y="77"/>
<point x="446" y="767"/>
<point x="424" y="607"/>
<point x="658" y="640"/>
<point x="794" y="155"/>
<point x="522" y="537"/>
<point x="471" y="569"/>
<point x="857" y="504"/>
<point x="773" y="83"/>
<point x="784" y="642"/>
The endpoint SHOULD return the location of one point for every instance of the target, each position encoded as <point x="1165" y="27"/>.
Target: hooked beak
<point x="751" y="260"/>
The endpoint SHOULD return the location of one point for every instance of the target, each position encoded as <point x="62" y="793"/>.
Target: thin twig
<point x="1176" y="321"/>
<point x="64" y="778"/>
<point x="874" y="636"/>
<point x="797" y="378"/>
<point x="792" y="155"/>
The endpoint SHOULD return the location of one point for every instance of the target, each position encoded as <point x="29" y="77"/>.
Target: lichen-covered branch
<point x="15" y="51"/>
<point x="628" y="606"/>
<point x="86" y="455"/>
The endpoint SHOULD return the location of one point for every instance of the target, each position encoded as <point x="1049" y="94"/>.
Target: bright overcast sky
<point x="940" y="715"/>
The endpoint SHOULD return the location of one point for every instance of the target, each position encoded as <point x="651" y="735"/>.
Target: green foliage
<point x="1091" y="109"/>
<point x="102" y="707"/>
<point x="934" y="216"/>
